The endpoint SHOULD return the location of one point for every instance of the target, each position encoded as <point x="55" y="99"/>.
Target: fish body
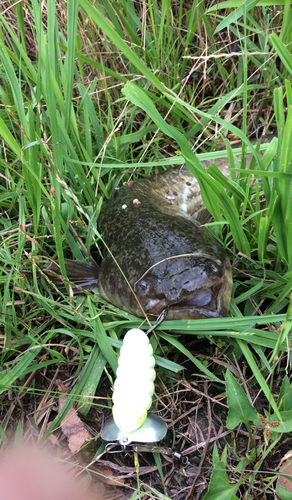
<point x="160" y="256"/>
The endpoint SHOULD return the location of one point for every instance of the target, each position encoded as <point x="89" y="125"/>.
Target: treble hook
<point x="140" y="448"/>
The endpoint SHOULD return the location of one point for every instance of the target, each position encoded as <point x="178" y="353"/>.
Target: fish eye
<point x="143" y="286"/>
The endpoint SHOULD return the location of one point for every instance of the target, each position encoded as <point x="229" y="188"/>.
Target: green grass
<point x="125" y="85"/>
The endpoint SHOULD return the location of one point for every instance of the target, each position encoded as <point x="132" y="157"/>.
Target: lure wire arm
<point x="159" y="320"/>
<point x="110" y="448"/>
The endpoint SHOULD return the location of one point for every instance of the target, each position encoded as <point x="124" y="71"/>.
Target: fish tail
<point x="83" y="274"/>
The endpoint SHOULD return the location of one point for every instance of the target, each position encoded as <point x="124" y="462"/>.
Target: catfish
<point x="160" y="257"/>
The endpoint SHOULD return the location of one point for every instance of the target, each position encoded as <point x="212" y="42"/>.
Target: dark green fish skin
<point x="150" y="229"/>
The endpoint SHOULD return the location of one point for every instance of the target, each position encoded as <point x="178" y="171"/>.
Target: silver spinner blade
<point x="152" y="430"/>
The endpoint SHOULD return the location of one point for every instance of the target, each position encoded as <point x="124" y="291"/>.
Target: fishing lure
<point x="134" y="385"/>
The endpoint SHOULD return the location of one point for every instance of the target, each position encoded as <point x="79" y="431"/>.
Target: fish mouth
<point x="212" y="301"/>
<point x="203" y="298"/>
<point x="207" y="299"/>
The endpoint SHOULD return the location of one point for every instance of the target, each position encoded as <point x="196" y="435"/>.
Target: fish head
<point x="189" y="287"/>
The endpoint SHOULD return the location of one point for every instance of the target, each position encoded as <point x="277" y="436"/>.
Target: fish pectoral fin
<point x="82" y="274"/>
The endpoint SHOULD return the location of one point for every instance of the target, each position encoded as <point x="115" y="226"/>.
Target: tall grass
<point x="127" y="85"/>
